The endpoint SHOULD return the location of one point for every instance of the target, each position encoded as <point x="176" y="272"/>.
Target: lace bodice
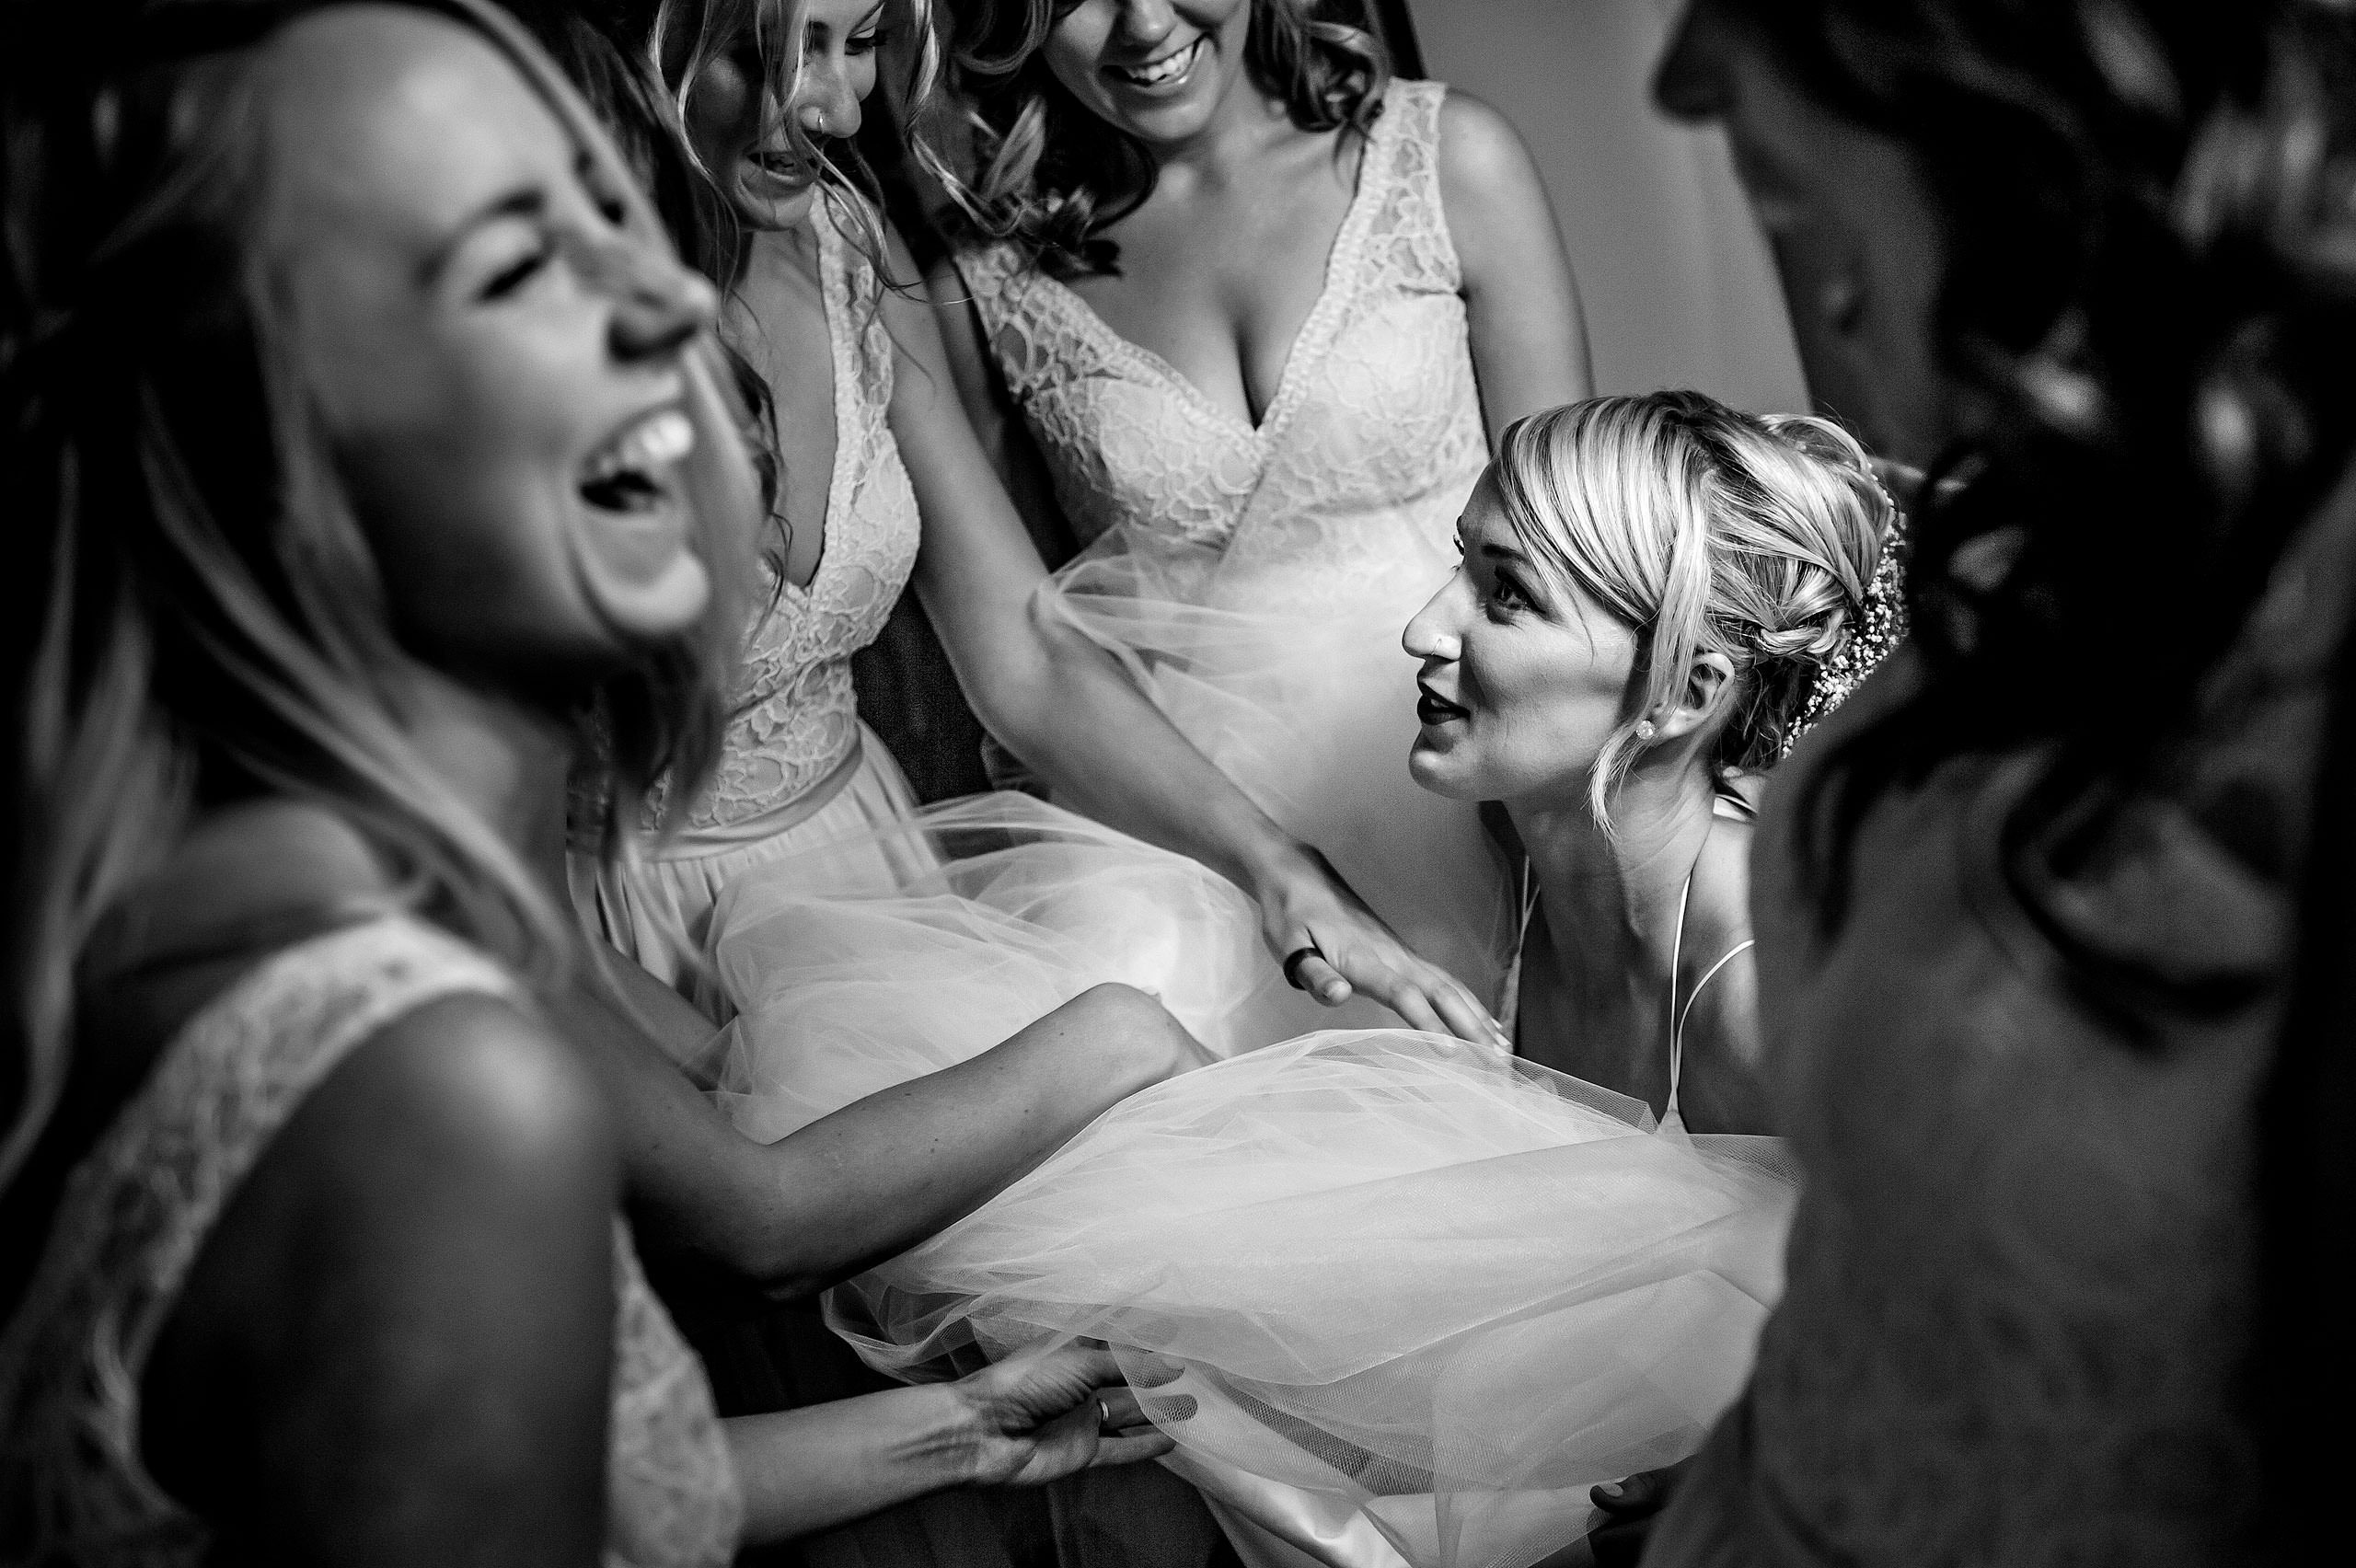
<point x="1377" y="410"/>
<point x="138" y="1209"/>
<point x="2023" y="1271"/>
<point x="797" y="719"/>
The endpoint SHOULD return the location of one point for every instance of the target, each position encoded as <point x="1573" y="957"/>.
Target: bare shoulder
<point x="1482" y="158"/>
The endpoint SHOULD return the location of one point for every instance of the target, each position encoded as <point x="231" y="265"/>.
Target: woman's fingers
<point x="1118" y="1409"/>
<point x="1130" y="1447"/>
<point x="1321" y="980"/>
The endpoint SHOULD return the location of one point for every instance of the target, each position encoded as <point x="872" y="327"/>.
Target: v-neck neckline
<point x="844" y="389"/>
<point x="1302" y="353"/>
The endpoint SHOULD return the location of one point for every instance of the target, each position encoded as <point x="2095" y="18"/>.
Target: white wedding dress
<point x="1398" y="1299"/>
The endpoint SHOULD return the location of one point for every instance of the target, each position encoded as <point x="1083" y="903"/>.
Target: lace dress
<point x="2023" y="1280"/>
<point x="798" y="768"/>
<point x="136" y="1214"/>
<point x="1256" y="579"/>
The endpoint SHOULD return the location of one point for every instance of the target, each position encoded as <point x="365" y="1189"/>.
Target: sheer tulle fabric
<point x="889" y="954"/>
<point x="1288" y="673"/>
<point x="1396" y="1297"/>
<point x="1414" y="1280"/>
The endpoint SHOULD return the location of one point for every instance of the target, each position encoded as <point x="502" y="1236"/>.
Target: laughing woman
<point x="331" y="326"/>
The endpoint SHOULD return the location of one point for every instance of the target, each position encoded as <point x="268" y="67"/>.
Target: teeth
<point x="1169" y="68"/>
<point x="654" y="442"/>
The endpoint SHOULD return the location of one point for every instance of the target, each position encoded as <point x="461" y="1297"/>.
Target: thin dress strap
<point x="1673" y="1116"/>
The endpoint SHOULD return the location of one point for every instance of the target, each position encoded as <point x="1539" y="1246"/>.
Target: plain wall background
<point x="1678" y="287"/>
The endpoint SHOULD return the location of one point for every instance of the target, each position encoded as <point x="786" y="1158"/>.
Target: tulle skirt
<point x="1396" y="1297"/>
<point x="1280" y="659"/>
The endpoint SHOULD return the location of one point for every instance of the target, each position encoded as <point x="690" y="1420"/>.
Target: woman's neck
<point x="1613" y="899"/>
<point x="1235" y="137"/>
<point x="505" y="758"/>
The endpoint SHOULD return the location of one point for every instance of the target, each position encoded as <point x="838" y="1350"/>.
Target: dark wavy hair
<point x="1040" y="170"/>
<point x="2151" y="280"/>
<point x="2151" y="283"/>
<point x="195" y="613"/>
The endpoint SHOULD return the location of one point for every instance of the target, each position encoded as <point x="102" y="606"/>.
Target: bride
<point x="1396" y="1295"/>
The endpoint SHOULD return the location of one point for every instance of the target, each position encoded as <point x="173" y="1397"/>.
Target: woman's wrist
<point x="941" y="1435"/>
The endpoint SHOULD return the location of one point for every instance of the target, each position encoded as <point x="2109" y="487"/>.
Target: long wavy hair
<point x="199" y="616"/>
<point x="1037" y="168"/>
<point x="2151" y="282"/>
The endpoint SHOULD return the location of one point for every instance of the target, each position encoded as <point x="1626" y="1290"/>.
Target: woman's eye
<point x="866" y="43"/>
<point x="518" y="272"/>
<point x="1506" y="594"/>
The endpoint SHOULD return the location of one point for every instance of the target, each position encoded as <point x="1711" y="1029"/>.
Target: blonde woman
<point x="1650" y="586"/>
<point x="1470" y="1286"/>
<point x="368" y="433"/>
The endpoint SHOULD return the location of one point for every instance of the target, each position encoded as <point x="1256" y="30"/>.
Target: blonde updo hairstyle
<point x="1707" y="530"/>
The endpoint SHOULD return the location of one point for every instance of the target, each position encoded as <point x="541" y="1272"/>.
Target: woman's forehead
<point x="397" y="122"/>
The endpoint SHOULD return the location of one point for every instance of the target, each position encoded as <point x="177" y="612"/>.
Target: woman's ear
<point x="1709" y="678"/>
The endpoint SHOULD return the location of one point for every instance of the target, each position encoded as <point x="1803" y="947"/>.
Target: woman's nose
<point x="1432" y="634"/>
<point x="658" y="305"/>
<point x="824" y="103"/>
<point x="1144" y="23"/>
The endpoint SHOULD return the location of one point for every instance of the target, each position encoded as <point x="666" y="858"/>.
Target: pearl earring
<point x="1645" y="729"/>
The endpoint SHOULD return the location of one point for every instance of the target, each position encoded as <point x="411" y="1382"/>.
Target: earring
<point x="1645" y="730"/>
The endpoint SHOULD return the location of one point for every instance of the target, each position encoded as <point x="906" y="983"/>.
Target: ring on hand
<point x="1292" y="966"/>
<point x="1103" y="1416"/>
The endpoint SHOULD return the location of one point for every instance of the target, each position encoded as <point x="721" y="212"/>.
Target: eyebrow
<point x="524" y="201"/>
<point x="1504" y="552"/>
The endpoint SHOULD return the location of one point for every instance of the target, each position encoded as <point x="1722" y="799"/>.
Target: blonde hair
<point x="1708" y="530"/>
<point x="207" y="618"/>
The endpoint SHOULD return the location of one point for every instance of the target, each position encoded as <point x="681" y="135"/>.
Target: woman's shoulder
<point x="1481" y="157"/>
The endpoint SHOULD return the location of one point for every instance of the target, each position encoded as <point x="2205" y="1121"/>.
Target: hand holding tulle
<point x="1040" y="1415"/>
<point x="1306" y="904"/>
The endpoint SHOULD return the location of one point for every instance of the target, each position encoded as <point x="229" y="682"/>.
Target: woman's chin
<point x="1432" y="767"/>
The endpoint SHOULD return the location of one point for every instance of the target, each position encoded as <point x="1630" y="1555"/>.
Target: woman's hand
<point x="1040" y="1415"/>
<point x="1304" y="903"/>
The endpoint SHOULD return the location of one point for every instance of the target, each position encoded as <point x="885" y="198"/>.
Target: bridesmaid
<point x="1260" y="309"/>
<point x="883" y="480"/>
<point x="2031" y="904"/>
<point x="368" y="431"/>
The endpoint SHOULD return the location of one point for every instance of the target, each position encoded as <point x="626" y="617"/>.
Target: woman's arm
<point x="1005" y="439"/>
<point x="1070" y="712"/>
<point x="1529" y="333"/>
<point x="417" y="1274"/>
<point x="876" y="1177"/>
<point x="1023" y="1421"/>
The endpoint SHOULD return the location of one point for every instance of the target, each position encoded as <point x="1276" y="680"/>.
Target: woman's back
<point x="2026" y="1251"/>
<point x="175" y="1307"/>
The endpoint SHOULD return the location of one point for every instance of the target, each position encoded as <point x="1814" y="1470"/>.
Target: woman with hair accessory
<point x="1650" y="589"/>
<point x="367" y="432"/>
<point x="2061" y="1283"/>
<point x="1401" y="1298"/>
<point x="1260" y="309"/>
<point x="884" y="482"/>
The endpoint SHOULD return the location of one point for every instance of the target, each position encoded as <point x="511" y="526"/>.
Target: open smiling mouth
<point x="1434" y="709"/>
<point x="636" y="470"/>
<point x="1172" y="67"/>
